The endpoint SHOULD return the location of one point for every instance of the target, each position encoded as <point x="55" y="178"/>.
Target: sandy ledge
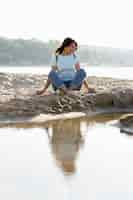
<point x="19" y="102"/>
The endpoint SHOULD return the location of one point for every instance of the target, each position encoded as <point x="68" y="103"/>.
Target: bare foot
<point x="91" y="90"/>
<point x="46" y="93"/>
<point x="43" y="93"/>
<point x="39" y="92"/>
<point x="63" y="90"/>
<point x="73" y="91"/>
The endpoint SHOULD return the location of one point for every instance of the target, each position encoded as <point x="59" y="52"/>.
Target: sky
<point x="91" y="22"/>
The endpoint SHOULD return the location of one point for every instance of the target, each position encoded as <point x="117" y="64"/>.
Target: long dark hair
<point x="65" y="43"/>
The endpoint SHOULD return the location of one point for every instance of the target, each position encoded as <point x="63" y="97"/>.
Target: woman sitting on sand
<point x="66" y="74"/>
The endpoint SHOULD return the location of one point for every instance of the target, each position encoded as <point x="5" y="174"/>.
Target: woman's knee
<point x="82" y="73"/>
<point x="52" y="74"/>
<point x="55" y="79"/>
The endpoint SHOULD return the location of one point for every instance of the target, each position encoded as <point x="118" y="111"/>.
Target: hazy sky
<point x="93" y="22"/>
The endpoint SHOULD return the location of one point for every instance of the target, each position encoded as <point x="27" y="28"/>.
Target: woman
<point x="66" y="73"/>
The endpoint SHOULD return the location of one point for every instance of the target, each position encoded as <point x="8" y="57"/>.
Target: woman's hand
<point x="40" y="92"/>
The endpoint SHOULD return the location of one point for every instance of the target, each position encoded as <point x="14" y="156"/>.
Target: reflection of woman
<point x="66" y="72"/>
<point x="66" y="140"/>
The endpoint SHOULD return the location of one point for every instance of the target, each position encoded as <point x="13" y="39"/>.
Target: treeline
<point x="25" y="52"/>
<point x="36" y="52"/>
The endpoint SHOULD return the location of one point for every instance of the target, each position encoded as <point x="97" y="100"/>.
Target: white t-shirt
<point x="66" y="65"/>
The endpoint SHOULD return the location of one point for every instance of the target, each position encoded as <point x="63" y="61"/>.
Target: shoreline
<point x="46" y="119"/>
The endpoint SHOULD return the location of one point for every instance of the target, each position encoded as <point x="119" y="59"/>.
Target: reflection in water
<point x="66" y="141"/>
<point x="104" y="167"/>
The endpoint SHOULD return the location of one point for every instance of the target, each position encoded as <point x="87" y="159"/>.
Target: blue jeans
<point x="76" y="83"/>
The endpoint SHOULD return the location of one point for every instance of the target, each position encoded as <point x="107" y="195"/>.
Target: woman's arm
<point x="77" y="66"/>
<point x="54" y="63"/>
<point x="85" y="82"/>
<point x="54" y="68"/>
<point x="48" y="82"/>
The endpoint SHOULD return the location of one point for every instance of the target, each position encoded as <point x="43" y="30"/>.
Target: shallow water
<point x="72" y="159"/>
<point x="99" y="71"/>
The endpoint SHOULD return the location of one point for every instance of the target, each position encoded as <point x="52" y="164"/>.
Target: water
<point x="67" y="160"/>
<point x="100" y="71"/>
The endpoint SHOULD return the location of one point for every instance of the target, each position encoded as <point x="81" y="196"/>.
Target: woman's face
<point x="71" y="48"/>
